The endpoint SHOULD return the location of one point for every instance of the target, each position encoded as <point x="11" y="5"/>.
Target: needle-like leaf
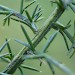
<point x="59" y="65"/>
<point x="2" y="55"/>
<point x="38" y="12"/>
<point x="4" y="8"/>
<point x="24" y="22"/>
<point x="69" y="36"/>
<point x="8" y="21"/>
<point x="51" y="67"/>
<point x="23" y="43"/>
<point x="28" y="5"/>
<point x="5" y="22"/>
<point x="51" y="61"/>
<point x="21" y="7"/>
<point x="3" y="73"/>
<point x="72" y="47"/>
<point x="3" y="46"/>
<point x="37" y="18"/>
<point x="28" y="15"/>
<point x="59" y="25"/>
<point x="21" y="71"/>
<point x="28" y="38"/>
<point x="5" y="12"/>
<point x="5" y="59"/>
<point x="30" y="68"/>
<point x="9" y="49"/>
<point x="69" y="22"/>
<point x="72" y="54"/>
<point x="65" y="39"/>
<point x="8" y="16"/>
<point x="34" y="11"/>
<point x="49" y="41"/>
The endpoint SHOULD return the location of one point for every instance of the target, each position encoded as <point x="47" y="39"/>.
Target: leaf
<point x="72" y="47"/>
<point x="68" y="26"/>
<point x="69" y="22"/>
<point x="33" y="15"/>
<point x="30" y="68"/>
<point x="65" y="39"/>
<point x="38" y="12"/>
<point x="1" y="73"/>
<point x="20" y="70"/>
<point x="45" y="37"/>
<point x="38" y="18"/>
<point x="58" y="65"/>
<point x="28" y="5"/>
<point x="29" y="18"/>
<point x="3" y="46"/>
<point x="5" y="60"/>
<point x="28" y="38"/>
<point x="23" y="43"/>
<point x="69" y="36"/>
<point x="25" y="57"/>
<point x="4" y="8"/>
<point x="72" y="54"/>
<point x="4" y="12"/>
<point x="21" y="7"/>
<point x="51" y="38"/>
<point x="37" y="15"/>
<point x="41" y="61"/>
<point x="2" y="55"/>
<point x="59" y="25"/>
<point x="25" y="22"/>
<point x="8" y="21"/>
<point x="51" y="67"/>
<point x="8" y="16"/>
<point x="9" y="49"/>
<point x="4" y="22"/>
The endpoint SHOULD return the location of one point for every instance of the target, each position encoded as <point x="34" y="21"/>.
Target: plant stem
<point x="18" y="59"/>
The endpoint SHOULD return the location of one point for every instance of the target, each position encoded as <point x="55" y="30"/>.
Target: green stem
<point x="17" y="61"/>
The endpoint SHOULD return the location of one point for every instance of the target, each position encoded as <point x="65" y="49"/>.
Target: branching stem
<point x="17" y="61"/>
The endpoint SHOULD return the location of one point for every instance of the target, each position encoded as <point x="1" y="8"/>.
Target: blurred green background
<point x="57" y="49"/>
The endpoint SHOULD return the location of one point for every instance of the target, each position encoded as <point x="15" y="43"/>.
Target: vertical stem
<point x="17" y="61"/>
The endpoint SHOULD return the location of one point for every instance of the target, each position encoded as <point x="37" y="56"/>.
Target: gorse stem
<point x="29" y="50"/>
<point x="17" y="61"/>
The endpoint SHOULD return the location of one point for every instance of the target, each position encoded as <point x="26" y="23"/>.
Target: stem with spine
<point x="18" y="59"/>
